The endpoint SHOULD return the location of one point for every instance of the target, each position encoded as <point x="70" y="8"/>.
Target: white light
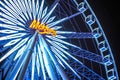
<point x="20" y="52"/>
<point x="8" y="31"/>
<point x="51" y="19"/>
<point x="33" y="65"/>
<point x="41" y="60"/>
<point x="7" y="21"/>
<point x="41" y="10"/>
<point x="38" y="65"/>
<point x="11" y="27"/>
<point x="44" y="12"/>
<point x="18" y="35"/>
<point x="12" y="42"/>
<point x="20" y="44"/>
<point x="33" y="9"/>
<point x="58" y="47"/>
<point x="49" y="14"/>
<point x="28" y="8"/>
<point x="6" y="12"/>
<point x="56" y="27"/>
<point x="61" y="45"/>
<point x="37" y="7"/>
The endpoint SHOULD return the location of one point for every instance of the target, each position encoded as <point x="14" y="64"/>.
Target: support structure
<point x="28" y="56"/>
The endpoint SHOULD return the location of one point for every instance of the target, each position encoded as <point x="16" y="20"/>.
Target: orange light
<point x="43" y="29"/>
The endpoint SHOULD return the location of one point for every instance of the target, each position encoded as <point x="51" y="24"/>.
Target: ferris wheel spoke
<point x="11" y="19"/>
<point x="9" y="7"/>
<point x="25" y="12"/>
<point x="20" y="12"/>
<point x="54" y="3"/>
<point x="57" y="28"/>
<point x="33" y="64"/>
<point x="44" y="12"/>
<point x="63" y="19"/>
<point x="8" y="3"/>
<point x="48" y="63"/>
<point x="8" y="31"/>
<point x="21" y="60"/>
<point x="62" y="41"/>
<point x="67" y="64"/>
<point x="30" y="45"/>
<point x="23" y="9"/>
<point x="41" y="10"/>
<point x="20" y="52"/>
<point x="84" y="71"/>
<point x="12" y="42"/>
<point x="28" y="8"/>
<point x="33" y="9"/>
<point x="69" y="9"/>
<point x="13" y="27"/>
<point x="21" y="43"/>
<point x="51" y="11"/>
<point x="13" y="73"/>
<point x="61" y="52"/>
<point x="60" y="45"/>
<point x="41" y="60"/>
<point x="6" y="21"/>
<point x="57" y="44"/>
<point x="81" y="53"/>
<point x="73" y="35"/>
<point x="70" y="6"/>
<point x="64" y="51"/>
<point x="38" y="65"/>
<point x="61" y="13"/>
<point x="88" y="73"/>
<point x="37" y="8"/>
<point x="9" y="11"/>
<point x="15" y="8"/>
<point x="12" y="36"/>
<point x="60" y="58"/>
<point x="60" y="62"/>
<point x="54" y="60"/>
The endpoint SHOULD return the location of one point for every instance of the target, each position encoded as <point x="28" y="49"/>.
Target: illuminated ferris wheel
<point x="53" y="40"/>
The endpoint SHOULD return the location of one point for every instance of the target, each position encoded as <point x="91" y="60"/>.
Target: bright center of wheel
<point x="42" y="28"/>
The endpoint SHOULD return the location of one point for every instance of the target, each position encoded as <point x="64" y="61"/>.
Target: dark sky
<point x="108" y="15"/>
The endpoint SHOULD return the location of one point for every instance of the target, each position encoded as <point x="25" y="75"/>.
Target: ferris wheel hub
<point x="42" y="28"/>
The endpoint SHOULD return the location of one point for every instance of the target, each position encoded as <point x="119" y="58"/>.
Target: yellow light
<point x="43" y="29"/>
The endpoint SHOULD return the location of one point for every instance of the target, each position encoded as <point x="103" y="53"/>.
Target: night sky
<point x="108" y="15"/>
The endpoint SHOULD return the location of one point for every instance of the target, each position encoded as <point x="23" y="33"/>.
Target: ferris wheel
<point x="53" y="40"/>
